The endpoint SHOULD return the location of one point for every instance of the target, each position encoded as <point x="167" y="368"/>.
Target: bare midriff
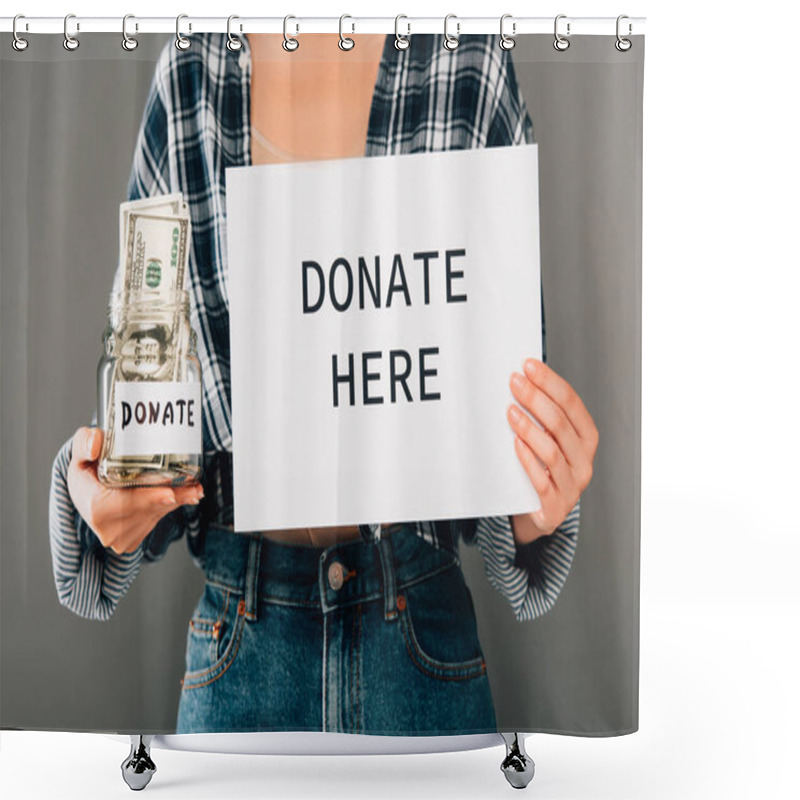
<point x="313" y="103"/>
<point x="315" y="537"/>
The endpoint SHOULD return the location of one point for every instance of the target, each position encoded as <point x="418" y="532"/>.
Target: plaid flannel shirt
<point x="196" y="123"/>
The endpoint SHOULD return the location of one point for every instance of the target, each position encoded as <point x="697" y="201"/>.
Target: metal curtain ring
<point x="181" y="42"/>
<point x="451" y="42"/>
<point x="290" y="44"/>
<point x="234" y="43"/>
<point x="507" y="42"/>
<point x="561" y="43"/>
<point x="401" y="42"/>
<point x="18" y="43"/>
<point x="622" y="44"/>
<point x="128" y="42"/>
<point x="70" y="42"/>
<point x="345" y="42"/>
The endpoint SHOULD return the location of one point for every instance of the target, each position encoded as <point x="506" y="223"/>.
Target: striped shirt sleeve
<point x="90" y="579"/>
<point x="529" y="576"/>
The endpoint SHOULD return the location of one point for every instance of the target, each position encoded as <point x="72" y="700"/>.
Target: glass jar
<point x="149" y="392"/>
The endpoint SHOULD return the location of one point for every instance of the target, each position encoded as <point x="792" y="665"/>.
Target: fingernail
<point x="193" y="501"/>
<point x="513" y="413"/>
<point x="518" y="381"/>
<point x="530" y="367"/>
<point x="168" y="500"/>
<point x="90" y="442"/>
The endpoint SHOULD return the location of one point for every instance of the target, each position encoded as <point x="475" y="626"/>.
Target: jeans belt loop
<point x="389" y="585"/>
<point x="251" y="580"/>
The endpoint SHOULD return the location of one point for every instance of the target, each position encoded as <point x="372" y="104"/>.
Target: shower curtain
<point x="410" y="498"/>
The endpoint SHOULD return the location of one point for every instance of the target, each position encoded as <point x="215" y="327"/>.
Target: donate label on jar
<point x="153" y="418"/>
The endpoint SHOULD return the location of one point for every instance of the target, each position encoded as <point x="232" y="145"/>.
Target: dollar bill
<point x="157" y="250"/>
<point x="168" y="205"/>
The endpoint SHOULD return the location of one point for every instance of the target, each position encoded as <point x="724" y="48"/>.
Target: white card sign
<point x="378" y="307"/>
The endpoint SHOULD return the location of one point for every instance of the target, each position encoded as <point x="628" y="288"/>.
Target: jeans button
<point x="336" y="575"/>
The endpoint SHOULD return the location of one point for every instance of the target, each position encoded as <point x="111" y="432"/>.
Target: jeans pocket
<point x="212" y="640"/>
<point x="437" y="620"/>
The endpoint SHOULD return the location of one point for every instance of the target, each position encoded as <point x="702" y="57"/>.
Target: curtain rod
<point x="597" y="26"/>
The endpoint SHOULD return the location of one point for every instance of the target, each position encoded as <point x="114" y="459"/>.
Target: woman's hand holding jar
<point x="121" y="518"/>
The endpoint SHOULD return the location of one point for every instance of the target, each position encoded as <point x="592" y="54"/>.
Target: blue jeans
<point x="372" y="637"/>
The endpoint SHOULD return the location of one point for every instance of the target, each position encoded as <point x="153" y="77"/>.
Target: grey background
<point x="67" y="128"/>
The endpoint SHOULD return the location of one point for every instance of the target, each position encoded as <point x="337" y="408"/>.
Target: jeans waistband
<point x="356" y="571"/>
